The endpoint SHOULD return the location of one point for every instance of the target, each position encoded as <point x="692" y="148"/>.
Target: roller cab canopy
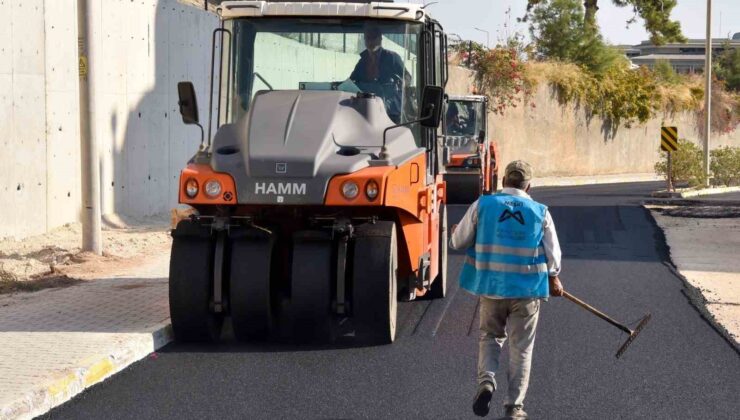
<point x="376" y="9"/>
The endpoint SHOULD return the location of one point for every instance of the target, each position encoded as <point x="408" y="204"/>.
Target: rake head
<point x="633" y="335"/>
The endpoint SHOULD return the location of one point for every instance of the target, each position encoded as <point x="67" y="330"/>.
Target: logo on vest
<point x="508" y="214"/>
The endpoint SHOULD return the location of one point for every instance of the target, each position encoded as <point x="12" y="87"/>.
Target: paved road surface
<point x="679" y="368"/>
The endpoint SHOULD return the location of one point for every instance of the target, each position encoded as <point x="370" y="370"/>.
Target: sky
<point x="462" y="16"/>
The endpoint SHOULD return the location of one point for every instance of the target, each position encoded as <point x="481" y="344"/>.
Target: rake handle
<point x="596" y="312"/>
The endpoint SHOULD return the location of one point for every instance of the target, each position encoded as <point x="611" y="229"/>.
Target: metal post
<point x="707" y="90"/>
<point x="91" y="236"/>
<point x="670" y="171"/>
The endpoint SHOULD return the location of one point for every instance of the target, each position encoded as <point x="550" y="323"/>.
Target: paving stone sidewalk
<point x="55" y="343"/>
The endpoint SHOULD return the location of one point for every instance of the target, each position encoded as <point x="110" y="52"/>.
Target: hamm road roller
<point x="317" y="197"/>
<point x="471" y="168"/>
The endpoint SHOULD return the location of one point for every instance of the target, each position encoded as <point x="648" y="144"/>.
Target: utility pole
<point x="91" y="236"/>
<point x="707" y="90"/>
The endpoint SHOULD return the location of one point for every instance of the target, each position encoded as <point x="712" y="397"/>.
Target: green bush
<point x="664" y="73"/>
<point x="725" y="165"/>
<point x="687" y="164"/>
<point x="619" y="95"/>
<point x="500" y="72"/>
<point x="727" y="68"/>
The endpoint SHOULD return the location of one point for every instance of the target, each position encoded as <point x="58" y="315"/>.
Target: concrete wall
<point x="140" y="50"/>
<point x="561" y="140"/>
<point x="23" y="143"/>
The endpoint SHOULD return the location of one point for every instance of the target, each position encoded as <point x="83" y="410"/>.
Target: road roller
<point x="316" y="199"/>
<point x="471" y="166"/>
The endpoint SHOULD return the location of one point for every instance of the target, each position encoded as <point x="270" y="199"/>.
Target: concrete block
<point x="6" y="37"/>
<point x="63" y="148"/>
<point x="63" y="159"/>
<point x="28" y="36"/>
<point x="61" y="45"/>
<point x="28" y="164"/>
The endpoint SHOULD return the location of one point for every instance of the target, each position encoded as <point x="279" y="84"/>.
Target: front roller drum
<point x="191" y="284"/>
<point x="310" y="316"/>
<point x="374" y="282"/>
<point x="249" y="284"/>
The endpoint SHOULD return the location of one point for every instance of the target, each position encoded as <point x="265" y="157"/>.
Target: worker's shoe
<point x="515" y="412"/>
<point x="482" y="402"/>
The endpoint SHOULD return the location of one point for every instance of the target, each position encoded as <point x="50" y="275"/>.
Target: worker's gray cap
<point x="520" y="166"/>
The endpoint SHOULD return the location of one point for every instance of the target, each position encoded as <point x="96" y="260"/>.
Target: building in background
<point x="685" y="58"/>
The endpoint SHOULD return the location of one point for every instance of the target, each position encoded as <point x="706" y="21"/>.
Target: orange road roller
<point x="316" y="193"/>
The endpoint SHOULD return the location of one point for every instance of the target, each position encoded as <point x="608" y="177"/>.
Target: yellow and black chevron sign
<point x="669" y="139"/>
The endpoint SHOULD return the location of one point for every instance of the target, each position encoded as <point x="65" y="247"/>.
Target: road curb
<point x="692" y="293"/>
<point x="91" y="371"/>
<point x="555" y="181"/>
<point x="695" y="193"/>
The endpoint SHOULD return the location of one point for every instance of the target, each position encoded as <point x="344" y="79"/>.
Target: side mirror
<point x="481" y="137"/>
<point x="431" y="106"/>
<point x="188" y="103"/>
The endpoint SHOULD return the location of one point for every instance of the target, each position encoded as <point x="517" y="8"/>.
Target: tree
<point x="560" y="32"/>
<point x="655" y="13"/>
<point x="727" y="68"/>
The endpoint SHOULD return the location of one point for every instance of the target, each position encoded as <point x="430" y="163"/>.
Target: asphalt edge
<point x="692" y="293"/>
<point x="91" y="372"/>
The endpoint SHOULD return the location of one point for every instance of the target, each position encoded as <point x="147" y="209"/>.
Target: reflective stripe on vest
<point x="508" y="259"/>
<point x="507" y="268"/>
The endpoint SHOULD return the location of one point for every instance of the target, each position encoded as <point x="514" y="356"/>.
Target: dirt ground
<point x="55" y="258"/>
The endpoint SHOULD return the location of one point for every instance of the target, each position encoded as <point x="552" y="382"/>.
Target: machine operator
<point x="381" y="72"/>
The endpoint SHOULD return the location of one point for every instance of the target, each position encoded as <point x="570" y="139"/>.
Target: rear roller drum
<point x="191" y="284"/>
<point x="374" y="286"/>
<point x="250" y="297"/>
<point x="311" y="274"/>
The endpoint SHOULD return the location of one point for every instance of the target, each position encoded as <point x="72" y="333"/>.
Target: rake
<point x="632" y="333"/>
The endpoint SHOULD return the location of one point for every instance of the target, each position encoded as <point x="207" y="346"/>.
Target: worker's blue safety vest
<point x="508" y="259"/>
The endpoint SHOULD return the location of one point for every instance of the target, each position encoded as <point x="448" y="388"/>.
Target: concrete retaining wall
<point x="561" y="140"/>
<point x="139" y="51"/>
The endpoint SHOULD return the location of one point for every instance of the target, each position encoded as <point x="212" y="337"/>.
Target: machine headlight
<point x="350" y="190"/>
<point x="371" y="190"/>
<point x="472" y="161"/>
<point x="213" y="188"/>
<point x="191" y="188"/>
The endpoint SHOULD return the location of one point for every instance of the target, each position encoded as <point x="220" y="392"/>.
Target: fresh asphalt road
<point x="614" y="257"/>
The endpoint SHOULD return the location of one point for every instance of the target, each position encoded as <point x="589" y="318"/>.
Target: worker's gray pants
<point x="521" y="316"/>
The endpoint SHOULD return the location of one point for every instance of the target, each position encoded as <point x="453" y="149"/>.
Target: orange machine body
<point x="403" y="194"/>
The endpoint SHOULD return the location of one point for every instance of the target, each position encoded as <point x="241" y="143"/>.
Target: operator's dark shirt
<point x="389" y="63"/>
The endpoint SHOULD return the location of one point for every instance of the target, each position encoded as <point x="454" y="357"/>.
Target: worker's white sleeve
<point x="552" y="246"/>
<point x="464" y="235"/>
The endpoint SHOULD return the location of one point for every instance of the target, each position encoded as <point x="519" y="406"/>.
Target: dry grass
<point x="685" y="96"/>
<point x="539" y="72"/>
<point x="46" y="281"/>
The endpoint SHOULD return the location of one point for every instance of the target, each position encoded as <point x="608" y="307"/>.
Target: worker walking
<point x="512" y="263"/>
